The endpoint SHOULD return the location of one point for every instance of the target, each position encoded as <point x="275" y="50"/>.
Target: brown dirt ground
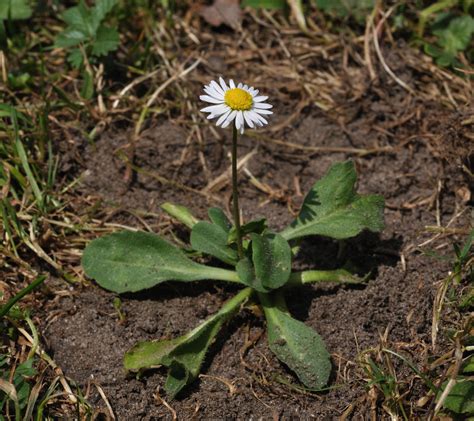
<point x="87" y="340"/>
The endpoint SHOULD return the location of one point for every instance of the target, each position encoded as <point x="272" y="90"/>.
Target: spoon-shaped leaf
<point x="271" y="255"/>
<point x="184" y="355"/>
<point x="270" y="265"/>
<point x="131" y="261"/>
<point x="332" y="207"/>
<point x="256" y="226"/>
<point x="296" y="344"/>
<point x="180" y="213"/>
<point x="218" y="217"/>
<point x="211" y="239"/>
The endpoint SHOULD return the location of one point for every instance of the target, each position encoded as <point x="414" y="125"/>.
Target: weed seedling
<point x="258" y="259"/>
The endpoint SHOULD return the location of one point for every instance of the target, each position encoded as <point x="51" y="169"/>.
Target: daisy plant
<point x="247" y="254"/>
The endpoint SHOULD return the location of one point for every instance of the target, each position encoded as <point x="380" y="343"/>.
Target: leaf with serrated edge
<point x="332" y="208"/>
<point x="184" y="355"/>
<point x="132" y="261"/>
<point x="106" y="40"/>
<point x="101" y="10"/>
<point x="296" y="345"/>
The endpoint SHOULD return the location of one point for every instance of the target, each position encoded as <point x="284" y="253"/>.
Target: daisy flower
<point x="240" y="103"/>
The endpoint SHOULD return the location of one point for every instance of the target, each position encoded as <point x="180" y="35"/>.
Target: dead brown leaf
<point x="223" y="12"/>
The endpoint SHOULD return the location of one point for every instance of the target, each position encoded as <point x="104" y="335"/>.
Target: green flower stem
<point x="222" y="274"/>
<point x="311" y="276"/>
<point x="235" y="194"/>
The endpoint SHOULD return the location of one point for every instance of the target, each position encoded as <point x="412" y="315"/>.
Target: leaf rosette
<point x="132" y="261"/>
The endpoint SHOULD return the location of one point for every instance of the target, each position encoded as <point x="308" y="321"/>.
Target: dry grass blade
<point x="53" y="365"/>
<point x="389" y="71"/>
<point x="107" y="403"/>
<point x="160" y="400"/>
<point x="220" y="181"/>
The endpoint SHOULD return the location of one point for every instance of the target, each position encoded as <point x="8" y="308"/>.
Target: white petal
<point x="223" y="85"/>
<point x="239" y="85"/>
<point x="239" y="120"/>
<point x="260" y="98"/>
<point x="262" y="105"/>
<point x="216" y="86"/>
<point x="246" y="87"/>
<point x="229" y="119"/>
<point x="242" y="129"/>
<point x="252" y="115"/>
<point x="258" y="111"/>
<point x="257" y="118"/>
<point x="223" y="117"/>
<point x="215" y="109"/>
<point x="207" y="98"/>
<point x="262" y="120"/>
<point x="231" y="84"/>
<point x="254" y="92"/>
<point x="212" y="92"/>
<point x="248" y="120"/>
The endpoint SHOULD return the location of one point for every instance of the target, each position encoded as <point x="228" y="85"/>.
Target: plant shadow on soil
<point x="88" y="341"/>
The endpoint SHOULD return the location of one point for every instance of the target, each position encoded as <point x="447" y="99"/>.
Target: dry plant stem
<point x="235" y="194"/>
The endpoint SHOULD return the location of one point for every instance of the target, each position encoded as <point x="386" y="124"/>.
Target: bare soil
<point x="402" y="161"/>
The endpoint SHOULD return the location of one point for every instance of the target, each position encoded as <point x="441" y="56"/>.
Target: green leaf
<point x="87" y="90"/>
<point x="313" y="276"/>
<point x="79" y="18"/>
<point x="270" y="264"/>
<point x="180" y="213"/>
<point x="76" y="58"/>
<point x="333" y="209"/>
<point x="246" y="272"/>
<point x="101" y="10"/>
<point x="256" y="226"/>
<point x="295" y="344"/>
<point x="457" y="36"/>
<point x="132" y="261"/>
<point x="149" y="354"/>
<point x="218" y="217"/>
<point x="106" y="40"/>
<point x="461" y="397"/>
<point x="70" y="38"/>
<point x="468" y="366"/>
<point x="184" y="355"/>
<point x="15" y="10"/>
<point x="265" y="4"/>
<point x="344" y="8"/>
<point x="212" y="239"/>
<point x="271" y="255"/>
<point x="85" y="27"/>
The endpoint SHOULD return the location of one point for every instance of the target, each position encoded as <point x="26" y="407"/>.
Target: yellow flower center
<point x="238" y="99"/>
